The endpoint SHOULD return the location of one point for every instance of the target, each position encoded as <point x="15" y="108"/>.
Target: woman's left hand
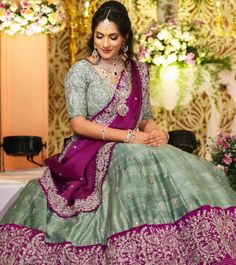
<point x="156" y="138"/>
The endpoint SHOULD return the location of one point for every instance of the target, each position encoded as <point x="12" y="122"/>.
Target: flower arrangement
<point x="169" y="43"/>
<point x="32" y="16"/>
<point x="223" y="154"/>
<point x="173" y="52"/>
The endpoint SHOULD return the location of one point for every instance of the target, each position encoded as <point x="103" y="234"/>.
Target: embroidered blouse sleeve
<point x="75" y="91"/>
<point x="146" y="106"/>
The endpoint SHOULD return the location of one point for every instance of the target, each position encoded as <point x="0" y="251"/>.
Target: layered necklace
<point x="111" y="71"/>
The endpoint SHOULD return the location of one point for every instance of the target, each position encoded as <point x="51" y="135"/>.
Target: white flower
<point x="15" y="27"/>
<point x="186" y="36"/>
<point x="52" y="18"/>
<point x="13" y="7"/>
<point x="46" y="9"/>
<point x="28" y="14"/>
<point x="176" y="44"/>
<point x="184" y="46"/>
<point x="158" y="60"/>
<point x="172" y="58"/>
<point x="36" y="8"/>
<point x="163" y="34"/>
<point x="182" y="57"/>
<point x="43" y="21"/>
<point x="6" y="24"/>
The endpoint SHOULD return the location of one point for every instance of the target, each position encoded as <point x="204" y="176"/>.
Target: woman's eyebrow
<point x="115" y="33"/>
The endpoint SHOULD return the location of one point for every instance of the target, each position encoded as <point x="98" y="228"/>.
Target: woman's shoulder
<point x="143" y="67"/>
<point x="80" y="64"/>
<point x="80" y="68"/>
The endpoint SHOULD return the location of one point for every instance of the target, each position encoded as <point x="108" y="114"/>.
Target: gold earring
<point x="95" y="55"/>
<point x="124" y="48"/>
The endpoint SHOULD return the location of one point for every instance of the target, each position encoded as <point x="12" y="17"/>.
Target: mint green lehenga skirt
<point x="160" y="206"/>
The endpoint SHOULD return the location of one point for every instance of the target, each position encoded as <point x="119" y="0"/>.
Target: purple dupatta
<point x="73" y="180"/>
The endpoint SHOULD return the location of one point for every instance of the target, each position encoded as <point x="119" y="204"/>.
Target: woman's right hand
<point x="140" y="137"/>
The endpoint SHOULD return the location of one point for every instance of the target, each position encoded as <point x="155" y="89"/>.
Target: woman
<point x="117" y="193"/>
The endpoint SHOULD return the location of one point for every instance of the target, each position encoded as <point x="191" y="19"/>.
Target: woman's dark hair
<point x="119" y="15"/>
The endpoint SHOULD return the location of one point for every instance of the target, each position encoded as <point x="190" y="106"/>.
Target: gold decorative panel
<point x="196" y="115"/>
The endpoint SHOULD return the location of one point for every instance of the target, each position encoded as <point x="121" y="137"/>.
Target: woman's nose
<point x="106" y="42"/>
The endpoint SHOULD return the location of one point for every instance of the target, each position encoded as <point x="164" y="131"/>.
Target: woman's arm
<point x="90" y="129"/>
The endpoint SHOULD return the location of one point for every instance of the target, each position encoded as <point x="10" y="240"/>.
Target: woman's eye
<point x="99" y="36"/>
<point x="114" y="37"/>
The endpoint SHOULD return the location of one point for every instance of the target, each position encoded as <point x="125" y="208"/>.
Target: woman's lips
<point x="106" y="50"/>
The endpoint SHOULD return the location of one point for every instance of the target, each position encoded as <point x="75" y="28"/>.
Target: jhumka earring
<point x="123" y="51"/>
<point x="95" y="55"/>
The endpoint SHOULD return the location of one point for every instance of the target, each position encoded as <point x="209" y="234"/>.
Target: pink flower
<point x="24" y="4"/>
<point x="142" y="51"/>
<point x="222" y="144"/>
<point x="154" y="27"/>
<point x="171" y="22"/>
<point x="149" y="33"/>
<point x="190" y="58"/>
<point x="227" y="160"/>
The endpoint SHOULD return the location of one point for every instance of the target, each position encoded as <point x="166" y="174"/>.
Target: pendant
<point x="122" y="109"/>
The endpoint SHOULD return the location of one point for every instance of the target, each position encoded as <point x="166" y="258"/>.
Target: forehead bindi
<point x="107" y="30"/>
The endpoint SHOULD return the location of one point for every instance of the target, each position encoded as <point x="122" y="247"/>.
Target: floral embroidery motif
<point x="59" y="204"/>
<point x="204" y="236"/>
<point x="144" y="76"/>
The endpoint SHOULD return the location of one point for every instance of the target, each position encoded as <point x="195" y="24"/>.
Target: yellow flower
<point x="2" y="14"/>
<point x="54" y="2"/>
<point x="28" y="14"/>
<point x="52" y="18"/>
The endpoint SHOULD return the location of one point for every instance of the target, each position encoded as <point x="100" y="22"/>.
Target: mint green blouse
<point x="86" y="92"/>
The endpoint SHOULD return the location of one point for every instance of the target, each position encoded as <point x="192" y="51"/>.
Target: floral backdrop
<point x="194" y="116"/>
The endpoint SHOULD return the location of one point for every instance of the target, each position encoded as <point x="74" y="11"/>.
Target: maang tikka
<point x="106" y="21"/>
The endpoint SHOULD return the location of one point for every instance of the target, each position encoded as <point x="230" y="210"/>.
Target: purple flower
<point x="227" y="160"/>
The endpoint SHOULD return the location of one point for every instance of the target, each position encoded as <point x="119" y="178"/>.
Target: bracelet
<point x="104" y="129"/>
<point x="132" y="135"/>
<point x="168" y="136"/>
<point x="128" y="137"/>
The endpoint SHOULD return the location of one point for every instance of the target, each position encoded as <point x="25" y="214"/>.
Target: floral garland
<point x="32" y="16"/>
<point x="170" y="44"/>
<point x="223" y="154"/>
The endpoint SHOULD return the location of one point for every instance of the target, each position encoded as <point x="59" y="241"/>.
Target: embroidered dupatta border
<point x="58" y="203"/>
<point x="202" y="237"/>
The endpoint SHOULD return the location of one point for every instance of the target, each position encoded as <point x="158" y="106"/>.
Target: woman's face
<point x="107" y="40"/>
